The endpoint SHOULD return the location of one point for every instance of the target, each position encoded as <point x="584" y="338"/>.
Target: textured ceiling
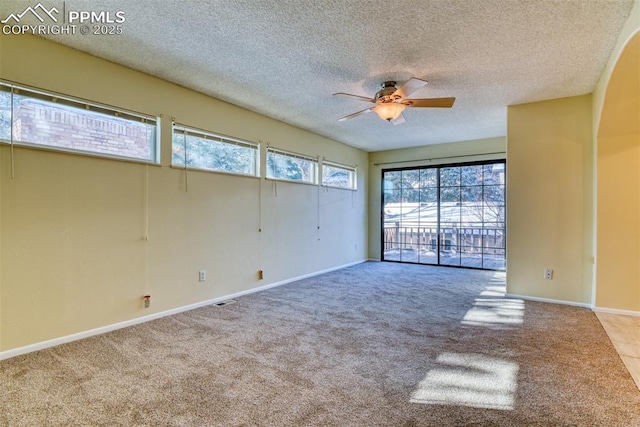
<point x="284" y="58"/>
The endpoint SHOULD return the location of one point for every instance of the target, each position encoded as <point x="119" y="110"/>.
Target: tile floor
<point x="624" y="333"/>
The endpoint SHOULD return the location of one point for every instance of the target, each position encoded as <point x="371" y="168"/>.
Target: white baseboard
<point x="551" y="301"/>
<point x="617" y="311"/>
<point x="108" y="328"/>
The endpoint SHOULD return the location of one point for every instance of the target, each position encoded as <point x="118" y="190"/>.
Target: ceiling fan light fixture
<point x="389" y="111"/>
<point x="391" y="101"/>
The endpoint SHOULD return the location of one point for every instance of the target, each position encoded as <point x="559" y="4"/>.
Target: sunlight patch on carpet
<point x="500" y="276"/>
<point x="495" y="313"/>
<point x="494" y="291"/>
<point x="472" y="380"/>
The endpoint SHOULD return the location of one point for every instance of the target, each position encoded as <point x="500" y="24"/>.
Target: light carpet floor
<point x="378" y="344"/>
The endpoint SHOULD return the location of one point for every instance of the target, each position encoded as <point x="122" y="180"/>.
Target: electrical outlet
<point x="548" y="274"/>
<point x="203" y="275"/>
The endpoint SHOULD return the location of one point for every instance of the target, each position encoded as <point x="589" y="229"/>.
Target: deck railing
<point x="469" y="240"/>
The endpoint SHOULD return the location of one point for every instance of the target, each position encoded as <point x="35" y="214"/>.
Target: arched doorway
<point x="618" y="186"/>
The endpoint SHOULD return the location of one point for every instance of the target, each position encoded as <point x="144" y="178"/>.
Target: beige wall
<point x="630" y="27"/>
<point x="457" y="152"/>
<point x="618" y="186"/>
<point x="549" y="199"/>
<point x="72" y="251"/>
<point x="616" y="279"/>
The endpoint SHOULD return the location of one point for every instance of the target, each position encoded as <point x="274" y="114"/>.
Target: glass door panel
<point x="449" y="215"/>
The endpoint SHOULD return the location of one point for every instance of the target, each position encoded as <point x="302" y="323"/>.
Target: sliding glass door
<point x="446" y="215"/>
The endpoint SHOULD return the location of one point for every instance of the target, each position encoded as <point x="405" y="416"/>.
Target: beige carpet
<point x="378" y="344"/>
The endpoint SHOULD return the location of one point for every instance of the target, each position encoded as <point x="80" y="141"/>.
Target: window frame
<point x="442" y="224"/>
<point x="314" y="160"/>
<point x="182" y="129"/>
<point x="353" y="174"/>
<point x="83" y="104"/>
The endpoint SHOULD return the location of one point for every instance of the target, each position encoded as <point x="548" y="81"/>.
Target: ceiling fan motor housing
<point x="386" y="94"/>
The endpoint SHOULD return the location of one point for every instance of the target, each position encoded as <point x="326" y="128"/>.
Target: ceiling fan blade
<point x="412" y="85"/>
<point x="398" y="120"/>
<point x="429" y="102"/>
<point x="359" y="113"/>
<point x="359" y="98"/>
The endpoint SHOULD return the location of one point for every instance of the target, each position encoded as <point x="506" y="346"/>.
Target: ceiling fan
<point x="391" y="101"/>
